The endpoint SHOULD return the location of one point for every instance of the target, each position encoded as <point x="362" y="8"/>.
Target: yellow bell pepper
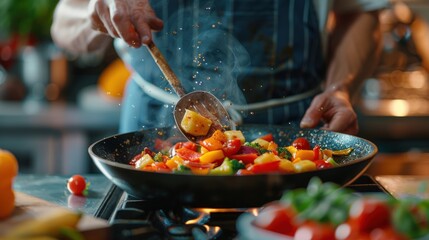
<point x="212" y="156"/>
<point x="144" y="161"/>
<point x="233" y="134"/>
<point x="263" y="143"/>
<point x="304" y="166"/>
<point x="173" y="162"/>
<point x="305" y="154"/>
<point x="286" y="166"/>
<point x="266" y="157"/>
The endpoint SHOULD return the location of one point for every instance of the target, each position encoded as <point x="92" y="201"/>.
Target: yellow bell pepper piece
<point x="305" y="154"/>
<point x="291" y="149"/>
<point x="272" y="146"/>
<point x="174" y="162"/>
<point x="266" y="157"/>
<point x="144" y="161"/>
<point x="304" y="166"/>
<point x="263" y="143"/>
<point x="233" y="134"/>
<point x="212" y="156"/>
<point x="286" y="166"/>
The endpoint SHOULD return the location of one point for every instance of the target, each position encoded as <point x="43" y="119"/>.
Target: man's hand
<point x="132" y="21"/>
<point x="335" y="110"/>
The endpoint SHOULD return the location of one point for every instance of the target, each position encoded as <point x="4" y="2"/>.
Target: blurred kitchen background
<point x="53" y="105"/>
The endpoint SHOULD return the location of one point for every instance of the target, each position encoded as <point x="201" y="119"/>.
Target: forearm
<point x="355" y="47"/>
<point x="71" y="28"/>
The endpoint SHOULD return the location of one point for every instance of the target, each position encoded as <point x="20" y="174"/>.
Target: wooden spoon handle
<point x="165" y="69"/>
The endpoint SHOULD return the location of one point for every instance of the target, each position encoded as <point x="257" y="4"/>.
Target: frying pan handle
<point x="165" y="69"/>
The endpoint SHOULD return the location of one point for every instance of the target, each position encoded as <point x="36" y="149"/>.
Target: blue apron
<point x="244" y="52"/>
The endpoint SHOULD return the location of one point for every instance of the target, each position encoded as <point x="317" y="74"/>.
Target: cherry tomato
<point x="77" y="185"/>
<point x="301" y="143"/>
<point x="311" y="230"/>
<point x="370" y="213"/>
<point x="278" y="218"/>
<point x="231" y="147"/>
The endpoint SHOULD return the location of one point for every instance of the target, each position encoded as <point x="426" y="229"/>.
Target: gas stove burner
<point x="193" y="232"/>
<point x="186" y="223"/>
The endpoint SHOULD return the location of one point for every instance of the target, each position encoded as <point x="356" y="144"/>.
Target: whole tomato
<point x="77" y="185"/>
<point x="369" y="213"/>
<point x="301" y="143"/>
<point x="278" y="218"/>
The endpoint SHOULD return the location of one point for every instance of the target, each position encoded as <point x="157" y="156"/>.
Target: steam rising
<point x="203" y="54"/>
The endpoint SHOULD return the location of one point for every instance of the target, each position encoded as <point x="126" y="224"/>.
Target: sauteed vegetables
<point x="229" y="153"/>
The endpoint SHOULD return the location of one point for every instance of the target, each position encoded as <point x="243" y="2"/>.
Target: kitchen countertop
<point x="52" y="188"/>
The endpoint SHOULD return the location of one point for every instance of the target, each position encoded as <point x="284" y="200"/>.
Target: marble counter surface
<point x="52" y="188"/>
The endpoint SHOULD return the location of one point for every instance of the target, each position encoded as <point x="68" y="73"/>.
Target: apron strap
<point x="233" y="109"/>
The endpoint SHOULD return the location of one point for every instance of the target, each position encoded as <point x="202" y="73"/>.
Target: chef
<point x="270" y="62"/>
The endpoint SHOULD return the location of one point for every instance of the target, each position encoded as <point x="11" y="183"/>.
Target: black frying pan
<point x="111" y="155"/>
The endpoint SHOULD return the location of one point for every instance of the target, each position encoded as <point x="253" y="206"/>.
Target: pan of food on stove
<point x="245" y="167"/>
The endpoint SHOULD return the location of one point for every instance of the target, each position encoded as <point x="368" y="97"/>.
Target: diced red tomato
<point x="321" y="164"/>
<point x="370" y="213"/>
<point x="301" y="143"/>
<point x="317" y="153"/>
<point x="267" y="137"/>
<point x="278" y="218"/>
<point x="135" y="159"/>
<point x="188" y="154"/>
<point x="190" y="145"/>
<point x="267" y="167"/>
<point x="231" y="147"/>
<point x="246" y="158"/>
<point x="311" y="230"/>
<point x="146" y="150"/>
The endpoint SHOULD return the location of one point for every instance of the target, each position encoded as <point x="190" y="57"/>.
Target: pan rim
<point x="94" y="156"/>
